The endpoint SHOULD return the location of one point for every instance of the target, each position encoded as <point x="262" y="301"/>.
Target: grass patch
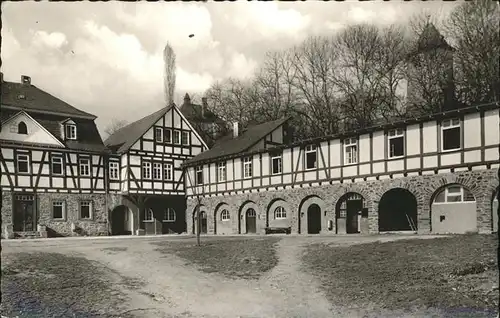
<point x="450" y="274"/>
<point x="56" y="285"/>
<point x="234" y="258"/>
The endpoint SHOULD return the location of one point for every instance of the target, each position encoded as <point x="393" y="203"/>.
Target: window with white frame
<point x="311" y="157"/>
<point x="159" y="134"/>
<point x="177" y="137"/>
<point x="247" y="167"/>
<point x="221" y="171"/>
<point x="454" y="194"/>
<point x="450" y="134"/>
<point x="113" y="170"/>
<point x="350" y="150"/>
<point x="199" y="175"/>
<point x="224" y="215"/>
<point x="169" y="215"/>
<point x="58" y="210"/>
<point x="23" y="163"/>
<point x="85" y="210"/>
<point x="280" y="213"/>
<point x="148" y="215"/>
<point x="57" y="165"/>
<point x="167" y="171"/>
<point x="276" y="163"/>
<point x="84" y="167"/>
<point x="168" y="135"/>
<point x="157" y="171"/>
<point x="70" y="131"/>
<point x="185" y="138"/>
<point x="396" y="143"/>
<point x="146" y="170"/>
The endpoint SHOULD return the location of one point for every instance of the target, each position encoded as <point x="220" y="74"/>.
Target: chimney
<point x="204" y="105"/>
<point x="235" y="129"/>
<point x="26" y="80"/>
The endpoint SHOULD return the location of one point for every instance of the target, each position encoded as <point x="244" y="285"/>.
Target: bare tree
<point x="473" y="28"/>
<point x="198" y="196"/>
<point x="116" y="124"/>
<point x="169" y="76"/>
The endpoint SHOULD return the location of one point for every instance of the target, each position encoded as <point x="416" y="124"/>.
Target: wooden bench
<point x="286" y="230"/>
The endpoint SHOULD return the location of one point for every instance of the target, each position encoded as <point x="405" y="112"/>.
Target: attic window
<point x="22" y="128"/>
<point x="21" y="96"/>
<point x="70" y="130"/>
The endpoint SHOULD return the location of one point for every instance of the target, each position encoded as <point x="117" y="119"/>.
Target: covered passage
<point x="397" y="211"/>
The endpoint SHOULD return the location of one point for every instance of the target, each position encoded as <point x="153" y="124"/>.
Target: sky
<point x="106" y="58"/>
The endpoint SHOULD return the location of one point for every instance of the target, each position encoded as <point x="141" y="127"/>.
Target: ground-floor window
<point x="280" y="213"/>
<point x="85" y="210"/>
<point x="169" y="215"/>
<point x="58" y="210"/>
<point x="148" y="215"/>
<point x="225" y="216"/>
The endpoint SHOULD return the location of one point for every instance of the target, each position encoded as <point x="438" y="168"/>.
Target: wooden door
<point x="354" y="208"/>
<point x="24" y="217"/>
<point x="313" y="219"/>
<point x="251" y="221"/>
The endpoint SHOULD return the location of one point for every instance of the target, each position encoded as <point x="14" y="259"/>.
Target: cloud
<point x="52" y="40"/>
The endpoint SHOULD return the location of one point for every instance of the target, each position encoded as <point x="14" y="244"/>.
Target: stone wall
<point x="71" y="225"/>
<point x="482" y="183"/>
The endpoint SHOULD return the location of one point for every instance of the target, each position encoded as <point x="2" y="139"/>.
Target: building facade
<point x="53" y="165"/>
<point x="436" y="174"/>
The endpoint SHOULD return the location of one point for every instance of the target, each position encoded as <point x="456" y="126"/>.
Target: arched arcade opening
<point x="453" y="210"/>
<point x="122" y="221"/>
<point x="397" y="211"/>
<point x="349" y="211"/>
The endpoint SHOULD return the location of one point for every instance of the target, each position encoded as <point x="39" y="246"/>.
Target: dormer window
<point x="70" y="130"/>
<point x="22" y="128"/>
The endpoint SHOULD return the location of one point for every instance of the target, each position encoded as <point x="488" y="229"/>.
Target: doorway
<point x="251" y="221"/>
<point x="397" y="211"/>
<point x="204" y="227"/>
<point x="24" y="218"/>
<point x="349" y="213"/>
<point x="121" y="221"/>
<point x="313" y="219"/>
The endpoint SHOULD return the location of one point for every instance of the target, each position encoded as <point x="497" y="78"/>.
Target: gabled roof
<point x="228" y="145"/>
<point x="121" y="140"/>
<point x="36" y="100"/>
<point x="431" y="38"/>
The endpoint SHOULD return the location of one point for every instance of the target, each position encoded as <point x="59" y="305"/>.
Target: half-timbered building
<point x="434" y="174"/>
<point x="53" y="164"/>
<point x="146" y="180"/>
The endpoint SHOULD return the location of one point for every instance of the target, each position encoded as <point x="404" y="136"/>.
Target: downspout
<point x="106" y="193"/>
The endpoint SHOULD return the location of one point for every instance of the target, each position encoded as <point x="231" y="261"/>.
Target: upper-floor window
<point x="86" y="210"/>
<point x="169" y="215"/>
<point x="146" y="170"/>
<point x="185" y="138"/>
<point x="157" y="171"/>
<point x="70" y="130"/>
<point x="84" y="167"/>
<point x="23" y="163"/>
<point x="454" y="193"/>
<point x="113" y="170"/>
<point x="177" y="137"/>
<point x="350" y="150"/>
<point x="311" y="157"/>
<point x="22" y="128"/>
<point x="159" y="134"/>
<point x="276" y="163"/>
<point x="450" y="134"/>
<point x="396" y="141"/>
<point x="224" y="215"/>
<point x="247" y="167"/>
<point x="167" y="171"/>
<point x="168" y="135"/>
<point x="280" y="213"/>
<point x="57" y="165"/>
<point x="221" y="171"/>
<point x="199" y="175"/>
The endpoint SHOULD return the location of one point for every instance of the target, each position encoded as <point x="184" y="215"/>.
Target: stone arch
<point x="242" y="216"/>
<point x="271" y="221"/>
<point x="305" y="214"/>
<point x="453" y="209"/>
<point x="221" y="227"/>
<point x="347" y="212"/>
<point x="122" y="220"/>
<point x="398" y="211"/>
<point x="203" y="214"/>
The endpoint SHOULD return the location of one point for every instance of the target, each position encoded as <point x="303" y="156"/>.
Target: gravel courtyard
<point x="151" y="277"/>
